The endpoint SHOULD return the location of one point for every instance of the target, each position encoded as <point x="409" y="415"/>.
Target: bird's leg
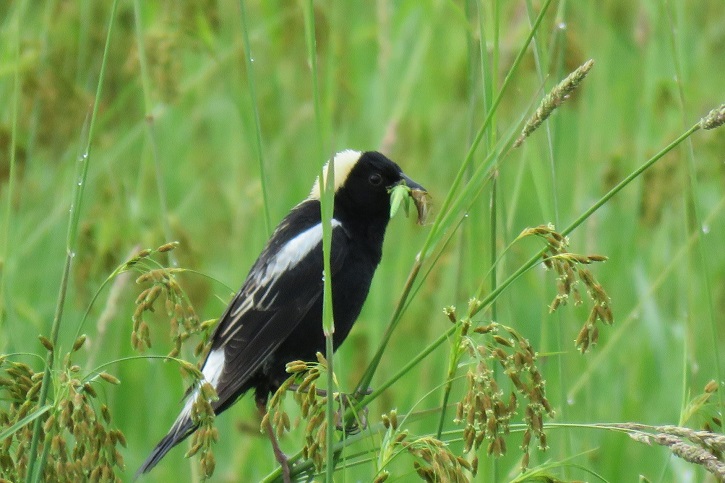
<point x="361" y="418"/>
<point x="345" y="402"/>
<point x="278" y="454"/>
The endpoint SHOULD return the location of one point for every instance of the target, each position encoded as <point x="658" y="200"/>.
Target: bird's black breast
<point x="350" y="286"/>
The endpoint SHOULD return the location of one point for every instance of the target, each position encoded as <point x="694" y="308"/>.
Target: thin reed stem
<point x="33" y="473"/>
<point x="696" y="223"/>
<point x="438" y="228"/>
<point x="249" y="61"/>
<point x="327" y="200"/>
<point x="11" y="171"/>
<point x="541" y="69"/>
<point x="493" y="295"/>
<point x="150" y="130"/>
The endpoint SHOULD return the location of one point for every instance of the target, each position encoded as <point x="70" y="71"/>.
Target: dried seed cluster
<point x="436" y="461"/>
<point x="569" y="270"/>
<point x="554" y="99"/>
<point x="312" y="403"/>
<point x="204" y="438"/>
<point x="76" y="434"/>
<point x="703" y="448"/>
<point x="183" y="321"/>
<point x="486" y="410"/>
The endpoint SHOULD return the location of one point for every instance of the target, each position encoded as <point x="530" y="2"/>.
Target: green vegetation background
<point x="405" y="77"/>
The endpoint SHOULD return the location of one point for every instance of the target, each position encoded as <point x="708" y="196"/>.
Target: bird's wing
<point x="280" y="289"/>
<point x="283" y="285"/>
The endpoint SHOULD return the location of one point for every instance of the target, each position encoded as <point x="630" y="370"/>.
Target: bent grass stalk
<point x="623" y="327"/>
<point x="486" y="301"/>
<point x="439" y="227"/>
<point x="34" y="474"/>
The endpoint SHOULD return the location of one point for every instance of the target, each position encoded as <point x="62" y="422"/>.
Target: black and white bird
<point x="277" y="315"/>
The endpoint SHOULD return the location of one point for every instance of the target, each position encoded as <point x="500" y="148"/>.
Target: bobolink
<point x="277" y="315"/>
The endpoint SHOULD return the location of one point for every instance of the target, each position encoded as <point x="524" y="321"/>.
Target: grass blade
<point x="34" y="474"/>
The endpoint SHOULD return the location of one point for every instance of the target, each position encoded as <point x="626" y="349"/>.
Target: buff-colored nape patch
<point x="344" y="162"/>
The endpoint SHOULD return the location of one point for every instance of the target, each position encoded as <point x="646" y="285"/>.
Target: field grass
<point x="192" y="141"/>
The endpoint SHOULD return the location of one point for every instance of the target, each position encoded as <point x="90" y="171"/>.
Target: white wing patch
<point x="293" y="251"/>
<point x="286" y="258"/>
<point x="214" y="366"/>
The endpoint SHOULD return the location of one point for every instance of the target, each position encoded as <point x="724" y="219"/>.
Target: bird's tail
<point x="181" y="429"/>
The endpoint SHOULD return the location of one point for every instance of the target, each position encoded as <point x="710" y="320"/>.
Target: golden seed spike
<point x="46" y="343"/>
<point x="167" y="247"/>
<point x="79" y="342"/>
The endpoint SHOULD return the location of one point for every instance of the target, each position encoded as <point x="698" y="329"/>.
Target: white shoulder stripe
<point x="264" y="280"/>
<point x="293" y="252"/>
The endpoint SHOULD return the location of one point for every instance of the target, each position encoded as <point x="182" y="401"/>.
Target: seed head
<point x="715" y="118"/>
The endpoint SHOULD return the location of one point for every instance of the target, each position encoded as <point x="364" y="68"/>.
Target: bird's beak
<point x="420" y="198"/>
<point x="412" y="184"/>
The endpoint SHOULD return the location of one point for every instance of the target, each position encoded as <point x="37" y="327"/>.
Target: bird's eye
<point x="375" y="179"/>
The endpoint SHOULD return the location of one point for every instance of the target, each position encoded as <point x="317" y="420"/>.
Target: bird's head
<point x="364" y="182"/>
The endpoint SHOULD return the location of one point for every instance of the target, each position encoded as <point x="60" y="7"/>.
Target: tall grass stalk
<point x="493" y="198"/>
<point x="534" y="260"/>
<point x="249" y="61"/>
<point x="15" y="27"/>
<point x="541" y="68"/>
<point x="444" y="219"/>
<point x="327" y="200"/>
<point x="624" y="326"/>
<point x="150" y="129"/>
<point x="691" y="200"/>
<point x="465" y="234"/>
<point x="34" y="474"/>
<point x="488" y="73"/>
<point x="489" y="78"/>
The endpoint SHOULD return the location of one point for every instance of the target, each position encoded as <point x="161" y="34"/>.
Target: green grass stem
<point x="694" y="209"/>
<point x="493" y="295"/>
<point x="33" y="473"/>
<point x="249" y="62"/>
<point x="150" y="127"/>
<point x="327" y="200"/>
<point x="438" y="228"/>
<point x="11" y="171"/>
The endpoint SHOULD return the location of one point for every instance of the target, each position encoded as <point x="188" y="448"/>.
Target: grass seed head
<point x="167" y="247"/>
<point x="711" y="386"/>
<point x="46" y="343"/>
<point x="554" y="99"/>
<point x="714" y="118"/>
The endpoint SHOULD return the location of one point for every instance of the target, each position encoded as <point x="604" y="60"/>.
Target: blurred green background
<point x="174" y="157"/>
